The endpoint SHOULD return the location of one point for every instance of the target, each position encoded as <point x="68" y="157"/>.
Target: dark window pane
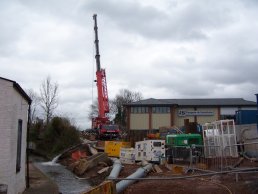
<point x="19" y="145"/>
<point x="157" y="144"/>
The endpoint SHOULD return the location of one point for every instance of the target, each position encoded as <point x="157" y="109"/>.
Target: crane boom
<point x="103" y="104"/>
<point x="101" y="123"/>
<point x="97" y="56"/>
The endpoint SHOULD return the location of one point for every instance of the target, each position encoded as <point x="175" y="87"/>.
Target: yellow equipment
<point x="112" y="148"/>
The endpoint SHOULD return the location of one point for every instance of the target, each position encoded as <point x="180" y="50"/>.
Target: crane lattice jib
<point x="103" y="104"/>
<point x="102" y="93"/>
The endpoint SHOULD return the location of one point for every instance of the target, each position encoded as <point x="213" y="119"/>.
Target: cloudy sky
<point x="163" y="49"/>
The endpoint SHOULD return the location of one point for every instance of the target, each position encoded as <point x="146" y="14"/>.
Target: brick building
<point x="14" y="105"/>
<point x="154" y="113"/>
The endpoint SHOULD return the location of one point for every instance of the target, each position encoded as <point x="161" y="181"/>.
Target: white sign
<point x="183" y="113"/>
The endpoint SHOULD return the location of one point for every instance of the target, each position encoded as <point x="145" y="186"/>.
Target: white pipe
<point x="117" y="166"/>
<point x="140" y="172"/>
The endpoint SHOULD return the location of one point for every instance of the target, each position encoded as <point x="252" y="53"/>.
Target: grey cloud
<point x="58" y="8"/>
<point x="186" y="49"/>
<point x="189" y="21"/>
<point x="233" y="66"/>
<point x="29" y="27"/>
<point x="11" y="27"/>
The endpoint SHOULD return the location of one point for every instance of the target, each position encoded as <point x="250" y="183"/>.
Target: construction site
<point x="171" y="161"/>
<point x="169" y="145"/>
<point x="146" y="97"/>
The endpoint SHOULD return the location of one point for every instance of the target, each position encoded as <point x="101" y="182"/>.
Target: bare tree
<point x="117" y="109"/>
<point x="117" y="104"/>
<point x="34" y="105"/>
<point x="48" y="97"/>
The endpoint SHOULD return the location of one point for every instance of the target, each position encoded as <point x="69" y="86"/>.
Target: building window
<point x="161" y="109"/>
<point x="140" y="109"/>
<point x="19" y="146"/>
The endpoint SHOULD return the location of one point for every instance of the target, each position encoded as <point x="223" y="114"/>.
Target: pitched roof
<point x="194" y="102"/>
<point x="19" y="89"/>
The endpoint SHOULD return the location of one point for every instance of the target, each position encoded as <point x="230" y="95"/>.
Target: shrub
<point x="59" y="135"/>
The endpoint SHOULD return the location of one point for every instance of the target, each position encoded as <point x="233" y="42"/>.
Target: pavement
<point x="40" y="183"/>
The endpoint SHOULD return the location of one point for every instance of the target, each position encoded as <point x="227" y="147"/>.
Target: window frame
<point x="19" y="146"/>
<point x="161" y="109"/>
<point x="139" y="109"/>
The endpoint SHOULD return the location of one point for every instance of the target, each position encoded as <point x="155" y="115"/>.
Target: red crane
<point x="102" y="123"/>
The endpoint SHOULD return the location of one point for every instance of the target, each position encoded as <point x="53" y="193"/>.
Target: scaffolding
<point x="219" y="139"/>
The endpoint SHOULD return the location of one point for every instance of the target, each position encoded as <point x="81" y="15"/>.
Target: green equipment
<point x="183" y="140"/>
<point x="183" y="147"/>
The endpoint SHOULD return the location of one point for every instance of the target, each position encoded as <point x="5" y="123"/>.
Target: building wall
<point x="139" y="121"/>
<point x="228" y="110"/>
<point x="5" y="130"/>
<point x="249" y="134"/>
<point x="12" y="108"/>
<point x="232" y="110"/>
<point x="179" y="120"/>
<point x="160" y="120"/>
<point x="204" y="119"/>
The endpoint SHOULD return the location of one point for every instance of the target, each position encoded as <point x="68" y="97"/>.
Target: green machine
<point x="183" y="139"/>
<point x="183" y="147"/>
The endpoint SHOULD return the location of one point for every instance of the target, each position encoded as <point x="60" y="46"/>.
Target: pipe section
<point x="140" y="172"/>
<point x="117" y="166"/>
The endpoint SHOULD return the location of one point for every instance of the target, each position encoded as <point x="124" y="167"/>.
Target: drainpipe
<point x="140" y="172"/>
<point x="117" y="166"/>
<point x="257" y="110"/>
<point x="27" y="149"/>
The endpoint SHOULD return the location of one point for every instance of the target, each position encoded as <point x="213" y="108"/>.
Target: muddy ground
<point x="216" y="184"/>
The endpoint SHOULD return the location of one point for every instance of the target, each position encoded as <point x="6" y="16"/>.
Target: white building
<point x="14" y="105"/>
